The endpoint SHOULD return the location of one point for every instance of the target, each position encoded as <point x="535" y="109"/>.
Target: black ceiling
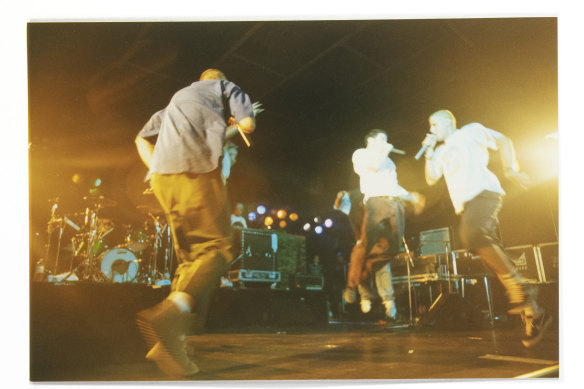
<point x="323" y="85"/>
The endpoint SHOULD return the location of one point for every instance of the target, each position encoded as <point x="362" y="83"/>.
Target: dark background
<point x="323" y="85"/>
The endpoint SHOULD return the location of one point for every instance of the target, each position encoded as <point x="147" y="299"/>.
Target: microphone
<point x="421" y="152"/>
<point x="423" y="148"/>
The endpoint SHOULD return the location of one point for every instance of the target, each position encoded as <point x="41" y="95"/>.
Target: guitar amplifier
<point x="549" y="255"/>
<point x="257" y="250"/>
<point x="527" y="262"/>
<point x="254" y="276"/>
<point x="433" y="242"/>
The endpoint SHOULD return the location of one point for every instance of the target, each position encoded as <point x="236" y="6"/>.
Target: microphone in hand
<point x="427" y="143"/>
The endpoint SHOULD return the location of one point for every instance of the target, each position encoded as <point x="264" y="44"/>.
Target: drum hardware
<point x="154" y="276"/>
<point x="95" y="229"/>
<point x="56" y="223"/>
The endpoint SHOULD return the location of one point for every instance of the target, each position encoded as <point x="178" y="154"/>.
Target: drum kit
<point x="103" y="251"/>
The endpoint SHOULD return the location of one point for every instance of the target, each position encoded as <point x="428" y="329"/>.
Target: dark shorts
<point x="478" y="221"/>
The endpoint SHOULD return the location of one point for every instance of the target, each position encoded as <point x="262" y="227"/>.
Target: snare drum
<point x="119" y="265"/>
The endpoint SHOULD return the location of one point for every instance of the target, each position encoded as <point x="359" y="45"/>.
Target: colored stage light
<point x="97" y="182"/>
<point x="261" y="209"/>
<point x="268" y="221"/>
<point x="306" y="227"/>
<point x="251" y="216"/>
<point x="293" y="216"/>
<point x="282" y="224"/>
<point x="318" y="229"/>
<point x="76" y="178"/>
<point x="281" y="214"/>
<point x="328" y="223"/>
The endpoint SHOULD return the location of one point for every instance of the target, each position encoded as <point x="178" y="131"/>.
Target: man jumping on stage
<point x="477" y="197"/>
<point x="383" y="223"/>
<point x="185" y="177"/>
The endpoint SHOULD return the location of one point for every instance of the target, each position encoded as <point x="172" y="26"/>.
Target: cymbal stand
<point x="168" y="253"/>
<point x="153" y="273"/>
<point x="409" y="263"/>
<point x="88" y="269"/>
<point x="53" y="224"/>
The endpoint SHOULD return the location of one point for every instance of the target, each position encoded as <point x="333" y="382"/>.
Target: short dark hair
<point x="373" y="133"/>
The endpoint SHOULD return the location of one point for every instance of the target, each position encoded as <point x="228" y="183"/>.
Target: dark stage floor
<point x="87" y="332"/>
<point x="341" y="352"/>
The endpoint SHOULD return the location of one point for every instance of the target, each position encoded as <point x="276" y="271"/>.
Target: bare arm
<point x="145" y="150"/>
<point x="433" y="172"/>
<point x="510" y="164"/>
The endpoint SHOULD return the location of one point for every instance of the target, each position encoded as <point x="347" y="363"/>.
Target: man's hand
<point x="520" y="178"/>
<point x="257" y="108"/>
<point x="430" y="141"/>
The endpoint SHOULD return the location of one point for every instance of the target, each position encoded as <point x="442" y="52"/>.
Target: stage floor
<point x="340" y="351"/>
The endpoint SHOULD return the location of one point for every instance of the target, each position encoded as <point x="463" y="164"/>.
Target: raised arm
<point x="433" y="172"/>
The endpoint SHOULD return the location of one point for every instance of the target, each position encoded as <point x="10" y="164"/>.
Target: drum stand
<point x="154" y="275"/>
<point x="88" y="270"/>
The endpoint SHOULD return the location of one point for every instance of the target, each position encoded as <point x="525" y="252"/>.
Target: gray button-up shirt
<point x="191" y="129"/>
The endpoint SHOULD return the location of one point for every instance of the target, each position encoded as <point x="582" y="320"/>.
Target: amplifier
<point x="527" y="262"/>
<point x="258" y="249"/>
<point x="550" y="261"/>
<point x="309" y="281"/>
<point x="247" y="275"/>
<point x="435" y="241"/>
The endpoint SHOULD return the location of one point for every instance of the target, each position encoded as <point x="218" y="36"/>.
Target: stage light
<point x="251" y="216"/>
<point x="268" y="221"/>
<point x="293" y="216"/>
<point x="317" y="219"/>
<point x="261" y="209"/>
<point x="97" y="182"/>
<point x="94" y="191"/>
<point x="328" y="223"/>
<point x="306" y="227"/>
<point x="318" y="229"/>
<point x="76" y="178"/>
<point x="282" y="224"/>
<point x="281" y="214"/>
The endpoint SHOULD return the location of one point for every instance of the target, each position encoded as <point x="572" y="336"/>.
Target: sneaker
<point x="535" y="327"/>
<point x="162" y="329"/>
<point x="365" y="306"/>
<point x="390" y="310"/>
<point x="168" y="364"/>
<point x="350" y="295"/>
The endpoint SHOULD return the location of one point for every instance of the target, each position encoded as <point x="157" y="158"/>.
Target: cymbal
<point x="101" y="201"/>
<point x="146" y="209"/>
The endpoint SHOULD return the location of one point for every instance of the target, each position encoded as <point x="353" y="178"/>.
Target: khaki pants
<point x="197" y="210"/>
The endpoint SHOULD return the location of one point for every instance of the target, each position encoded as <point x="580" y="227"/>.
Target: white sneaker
<point x="365" y="306"/>
<point x="390" y="310"/>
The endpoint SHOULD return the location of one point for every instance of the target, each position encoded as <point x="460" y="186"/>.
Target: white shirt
<point x="463" y="160"/>
<point x="376" y="179"/>
<point x="238" y="219"/>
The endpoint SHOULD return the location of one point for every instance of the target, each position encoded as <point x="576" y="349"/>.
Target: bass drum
<point x="119" y="265"/>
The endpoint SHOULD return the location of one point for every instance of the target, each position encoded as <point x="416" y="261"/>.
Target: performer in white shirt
<point x="477" y="197"/>
<point x="383" y="222"/>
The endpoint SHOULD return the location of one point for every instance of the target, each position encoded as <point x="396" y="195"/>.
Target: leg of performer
<point x="198" y="215"/>
<point x="478" y="232"/>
